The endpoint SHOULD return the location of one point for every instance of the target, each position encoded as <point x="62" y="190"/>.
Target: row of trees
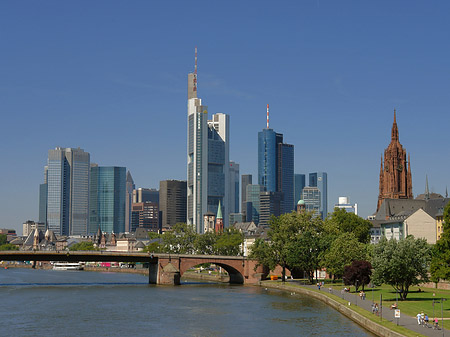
<point x="303" y="242"/>
<point x="183" y="239"/>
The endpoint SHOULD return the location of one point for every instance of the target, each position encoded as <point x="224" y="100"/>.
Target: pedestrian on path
<point x="418" y="318"/>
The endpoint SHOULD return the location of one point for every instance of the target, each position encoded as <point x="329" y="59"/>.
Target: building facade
<point x="299" y="184"/>
<point x="233" y="195"/>
<point x="312" y="198"/>
<point x="253" y="202"/>
<point x="344" y="203"/>
<point x="285" y="167"/>
<point x="146" y="194"/>
<point x="145" y="215"/>
<point x="172" y="202"/>
<point x="246" y="179"/>
<point x="68" y="191"/>
<point x="320" y="180"/>
<point x="395" y="170"/>
<point x="130" y="187"/>
<point x="107" y="199"/>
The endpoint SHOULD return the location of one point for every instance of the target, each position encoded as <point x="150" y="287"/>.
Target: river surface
<point x="77" y="303"/>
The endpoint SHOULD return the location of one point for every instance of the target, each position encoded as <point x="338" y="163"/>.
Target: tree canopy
<point x="358" y="274"/>
<point x="341" y="221"/>
<point x="3" y="239"/>
<point x="294" y="242"/>
<point x="85" y="245"/>
<point x="342" y="252"/>
<point x="440" y="263"/>
<point x="8" y="246"/>
<point x="401" y="264"/>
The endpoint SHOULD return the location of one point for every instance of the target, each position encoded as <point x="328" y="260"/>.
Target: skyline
<point x="332" y="73"/>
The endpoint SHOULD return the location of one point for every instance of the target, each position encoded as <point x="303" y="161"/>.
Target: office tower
<point x="253" y="202"/>
<point x="344" y="203"/>
<point x="145" y="194"/>
<point x="312" y="197"/>
<point x="130" y="187"/>
<point x="246" y="179"/>
<point x="236" y="217"/>
<point x="43" y="193"/>
<point x="395" y="174"/>
<point x="172" y="202"/>
<point x="319" y="180"/>
<point x="207" y="158"/>
<point x="233" y="195"/>
<point x="68" y="191"/>
<point x="145" y="215"/>
<point x="299" y="184"/>
<point x="276" y="166"/>
<point x="268" y="141"/>
<point x="218" y="164"/>
<point x="285" y="176"/>
<point x="270" y="204"/>
<point x="107" y="199"/>
<point x="197" y="155"/>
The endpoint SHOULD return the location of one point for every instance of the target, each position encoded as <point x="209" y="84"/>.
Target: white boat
<point x="68" y="266"/>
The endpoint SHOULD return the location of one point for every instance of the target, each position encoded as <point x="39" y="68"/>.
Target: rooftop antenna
<point x="195" y="71"/>
<point x="267" y="115"/>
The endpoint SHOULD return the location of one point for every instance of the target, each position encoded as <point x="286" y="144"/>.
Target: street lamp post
<point x="356" y="291"/>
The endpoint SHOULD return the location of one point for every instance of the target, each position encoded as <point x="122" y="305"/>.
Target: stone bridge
<point x="163" y="268"/>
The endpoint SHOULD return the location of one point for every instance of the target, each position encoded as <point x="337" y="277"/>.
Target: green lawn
<point x="415" y="302"/>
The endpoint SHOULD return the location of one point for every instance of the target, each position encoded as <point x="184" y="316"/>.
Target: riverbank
<point x="359" y="315"/>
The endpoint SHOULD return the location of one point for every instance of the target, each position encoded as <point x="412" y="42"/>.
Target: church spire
<point x="394" y="134"/>
<point x="427" y="190"/>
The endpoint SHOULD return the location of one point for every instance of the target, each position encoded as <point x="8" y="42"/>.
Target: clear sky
<point x="111" y="77"/>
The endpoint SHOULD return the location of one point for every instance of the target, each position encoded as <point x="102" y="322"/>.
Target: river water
<point x="76" y="303"/>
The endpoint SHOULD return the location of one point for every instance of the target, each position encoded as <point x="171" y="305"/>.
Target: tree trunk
<point x="283" y="274"/>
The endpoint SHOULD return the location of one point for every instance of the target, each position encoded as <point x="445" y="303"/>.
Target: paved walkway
<point x="385" y="313"/>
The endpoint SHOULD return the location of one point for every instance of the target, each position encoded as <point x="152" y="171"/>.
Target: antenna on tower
<point x="267" y="115"/>
<point x="195" y="71"/>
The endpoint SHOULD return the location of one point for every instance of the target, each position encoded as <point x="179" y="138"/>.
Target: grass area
<point x="415" y="302"/>
<point x="388" y="324"/>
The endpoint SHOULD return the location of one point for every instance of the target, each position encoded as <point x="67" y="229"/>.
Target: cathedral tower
<point x="395" y="172"/>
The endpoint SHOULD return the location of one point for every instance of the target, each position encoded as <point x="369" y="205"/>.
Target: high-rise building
<point x="130" y="187"/>
<point x="268" y="141"/>
<point x="395" y="174"/>
<point x="146" y="194"/>
<point x="253" y="202"/>
<point x="270" y="204"/>
<point x="299" y="184"/>
<point x="43" y="193"/>
<point x="145" y="215"/>
<point x="344" y="203"/>
<point x="319" y="180"/>
<point x="233" y="195"/>
<point x="276" y="166"/>
<point x="107" y="199"/>
<point x="311" y="197"/>
<point x="207" y="158"/>
<point x="172" y="202"/>
<point x="218" y="164"/>
<point x="29" y="226"/>
<point x="246" y="179"/>
<point x="68" y="191"/>
<point x="285" y="177"/>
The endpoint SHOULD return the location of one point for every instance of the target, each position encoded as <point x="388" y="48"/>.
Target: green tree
<point x="8" y="246"/>
<point x="294" y="242"/>
<point x="401" y="264"/>
<point x="205" y="243"/>
<point x="229" y="242"/>
<point x="180" y="240"/>
<point x="342" y="252"/>
<point x="341" y="221"/>
<point x="440" y="263"/>
<point x="3" y="239"/>
<point x="85" y="245"/>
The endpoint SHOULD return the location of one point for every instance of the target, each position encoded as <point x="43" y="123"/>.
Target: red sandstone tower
<point x="395" y="174"/>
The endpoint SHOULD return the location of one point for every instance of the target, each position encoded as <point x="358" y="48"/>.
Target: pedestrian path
<point x="385" y="313"/>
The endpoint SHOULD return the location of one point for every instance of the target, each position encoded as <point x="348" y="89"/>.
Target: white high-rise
<point x="207" y="158"/>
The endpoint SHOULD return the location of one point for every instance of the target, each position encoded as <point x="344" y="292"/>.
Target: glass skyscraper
<point x="312" y="196"/>
<point x="319" y="180"/>
<point x="107" y="199"/>
<point x="299" y="184"/>
<point x="68" y="191"/>
<point x="253" y="201"/>
<point x="286" y="176"/>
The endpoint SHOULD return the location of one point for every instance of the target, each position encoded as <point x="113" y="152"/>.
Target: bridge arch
<point x="234" y="268"/>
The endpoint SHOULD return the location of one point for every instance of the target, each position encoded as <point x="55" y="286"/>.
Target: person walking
<point x="418" y="318"/>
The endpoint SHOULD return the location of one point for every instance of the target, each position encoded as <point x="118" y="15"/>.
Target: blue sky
<point x="111" y="77"/>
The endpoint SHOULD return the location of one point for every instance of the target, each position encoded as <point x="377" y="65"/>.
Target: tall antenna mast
<point x="267" y="115"/>
<point x="195" y="71"/>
